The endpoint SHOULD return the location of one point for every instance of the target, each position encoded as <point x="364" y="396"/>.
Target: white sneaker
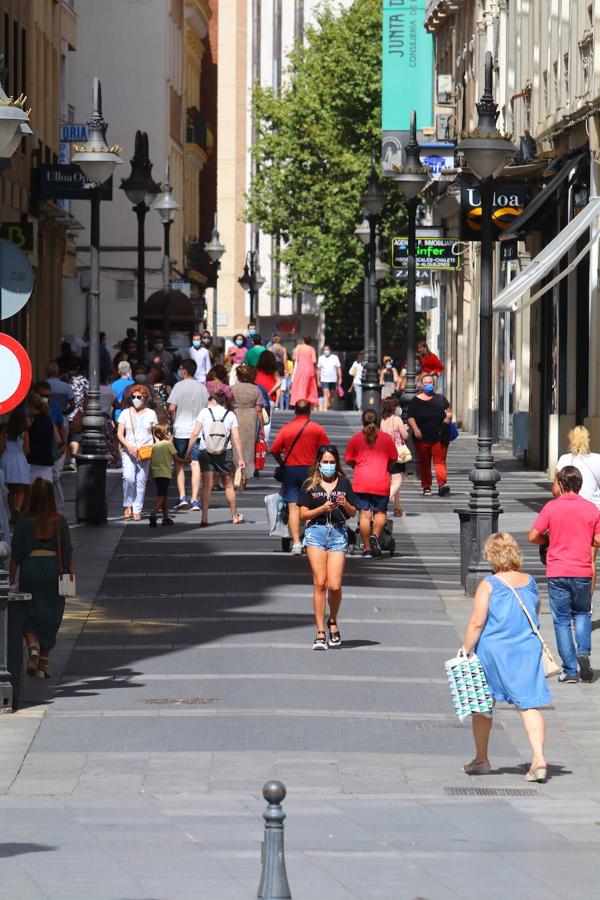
<point x="297" y="549"/>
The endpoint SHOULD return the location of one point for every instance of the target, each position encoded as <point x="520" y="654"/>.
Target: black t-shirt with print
<point x="314" y="497"/>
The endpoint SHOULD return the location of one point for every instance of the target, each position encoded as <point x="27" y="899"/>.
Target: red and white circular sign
<point x="15" y="373"/>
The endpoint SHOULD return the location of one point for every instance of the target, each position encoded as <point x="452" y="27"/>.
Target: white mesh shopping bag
<point x="468" y="685"/>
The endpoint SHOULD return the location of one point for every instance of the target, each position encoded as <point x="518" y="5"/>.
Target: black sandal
<point x="335" y="638"/>
<point x="320" y="643"/>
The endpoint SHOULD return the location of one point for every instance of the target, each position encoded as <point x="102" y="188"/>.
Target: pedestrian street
<point x="186" y="679"/>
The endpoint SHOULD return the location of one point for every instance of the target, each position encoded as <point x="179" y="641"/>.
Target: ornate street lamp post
<point x="486" y="153"/>
<point x="215" y="250"/>
<point x="166" y="206"/>
<point x="97" y="161"/>
<point x="373" y="201"/>
<point x="411" y="179"/>
<point x="382" y="270"/>
<point x="141" y="191"/>
<point x="363" y="232"/>
<point x="252" y="280"/>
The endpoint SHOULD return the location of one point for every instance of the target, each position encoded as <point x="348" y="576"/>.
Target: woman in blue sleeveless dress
<point x="509" y="651"/>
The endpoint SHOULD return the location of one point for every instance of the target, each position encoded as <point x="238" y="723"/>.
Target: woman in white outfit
<point x="135" y="431"/>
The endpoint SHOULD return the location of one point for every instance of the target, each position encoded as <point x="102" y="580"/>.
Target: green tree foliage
<point x="313" y="157"/>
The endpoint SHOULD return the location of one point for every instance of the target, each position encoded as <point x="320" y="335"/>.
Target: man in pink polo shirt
<point x="570" y="526"/>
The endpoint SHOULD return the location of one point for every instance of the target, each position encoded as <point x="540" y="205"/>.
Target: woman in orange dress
<point x="304" y="377"/>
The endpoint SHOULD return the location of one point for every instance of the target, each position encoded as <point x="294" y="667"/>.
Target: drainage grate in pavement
<point x="490" y="792"/>
<point x="190" y="701"/>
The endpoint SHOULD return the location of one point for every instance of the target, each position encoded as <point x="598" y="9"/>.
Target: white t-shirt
<point x="328" y="366"/>
<point x="189" y="396"/>
<point x="142" y="423"/>
<point x="356" y="372"/>
<point x="203" y="361"/>
<point x="589" y="466"/>
<point x="220" y="414"/>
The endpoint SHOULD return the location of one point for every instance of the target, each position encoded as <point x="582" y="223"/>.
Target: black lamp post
<point x="373" y="201"/>
<point x="215" y="250"/>
<point x="382" y="271"/>
<point x="411" y="179"/>
<point x="486" y="153"/>
<point x="363" y="232"/>
<point x="252" y="280"/>
<point x="141" y="191"/>
<point x="166" y="206"/>
<point x="97" y="161"/>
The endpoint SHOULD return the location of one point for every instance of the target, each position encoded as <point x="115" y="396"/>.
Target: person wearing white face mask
<point x="199" y="353"/>
<point x="135" y="436"/>
<point x="330" y="375"/>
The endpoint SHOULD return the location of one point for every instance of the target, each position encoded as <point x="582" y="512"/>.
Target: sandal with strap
<point x="320" y="643"/>
<point x="335" y="638"/>
<point x="32" y="662"/>
<point x="42" y="670"/>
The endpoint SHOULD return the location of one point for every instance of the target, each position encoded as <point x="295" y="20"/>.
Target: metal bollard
<point x="273" y="880"/>
<point x="6" y="692"/>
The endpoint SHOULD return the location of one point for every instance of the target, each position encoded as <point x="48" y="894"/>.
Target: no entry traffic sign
<point x="15" y="373"/>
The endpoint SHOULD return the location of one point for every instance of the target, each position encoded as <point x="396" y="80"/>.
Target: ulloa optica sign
<point x="510" y="199"/>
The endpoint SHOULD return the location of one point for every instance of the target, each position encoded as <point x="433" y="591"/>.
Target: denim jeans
<point x="571" y="601"/>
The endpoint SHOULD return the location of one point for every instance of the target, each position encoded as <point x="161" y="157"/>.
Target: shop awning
<point x="524" y="222"/>
<point x="512" y="295"/>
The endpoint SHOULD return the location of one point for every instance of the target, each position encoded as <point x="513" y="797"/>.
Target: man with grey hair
<point x="119" y="386"/>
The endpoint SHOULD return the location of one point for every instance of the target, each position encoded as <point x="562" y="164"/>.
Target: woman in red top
<point x="371" y="453"/>
<point x="269" y="378"/>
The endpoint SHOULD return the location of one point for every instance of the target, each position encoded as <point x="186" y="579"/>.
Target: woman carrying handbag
<point x="501" y="631"/>
<point x="135" y="437"/>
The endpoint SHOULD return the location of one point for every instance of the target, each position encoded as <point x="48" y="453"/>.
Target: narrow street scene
<point x="299" y="449"/>
<point x="185" y="680"/>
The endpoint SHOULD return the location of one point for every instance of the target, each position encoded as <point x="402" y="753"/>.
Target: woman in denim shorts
<point x="326" y="502"/>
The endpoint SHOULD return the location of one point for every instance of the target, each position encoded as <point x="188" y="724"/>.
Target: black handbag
<point x="278" y="473"/>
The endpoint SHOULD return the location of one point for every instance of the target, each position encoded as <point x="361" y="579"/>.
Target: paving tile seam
<point x="101" y="648"/>
<point x="99" y="619"/>
<point x="251" y="676"/>
<point x="263" y="712"/>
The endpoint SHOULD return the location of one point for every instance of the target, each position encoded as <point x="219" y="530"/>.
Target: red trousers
<point x="427" y="451"/>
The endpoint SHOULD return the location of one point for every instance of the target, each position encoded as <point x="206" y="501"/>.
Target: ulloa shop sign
<point x="510" y="200"/>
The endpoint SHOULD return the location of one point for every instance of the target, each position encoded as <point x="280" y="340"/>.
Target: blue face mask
<point x="252" y="332"/>
<point x="428" y="388"/>
<point x="327" y="469"/>
<point x="197" y="344"/>
<point x="239" y="342"/>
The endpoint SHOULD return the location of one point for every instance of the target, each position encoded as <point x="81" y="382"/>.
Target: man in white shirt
<point x="329" y="375"/>
<point x="199" y="353"/>
<point x="186" y="400"/>
<point x="356" y="373"/>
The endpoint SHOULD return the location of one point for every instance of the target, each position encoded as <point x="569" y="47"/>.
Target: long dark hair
<point x="42" y="505"/>
<point x="314" y="475"/>
<point x="370" y="421"/>
<point x="218" y="373"/>
<point x="267" y="362"/>
<point x="389" y="407"/>
<point x="16" y="425"/>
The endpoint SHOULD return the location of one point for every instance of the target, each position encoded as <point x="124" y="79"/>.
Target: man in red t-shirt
<point x="371" y="453"/>
<point x="295" y="449"/>
<point x="570" y="526"/>
<point x="430" y="363"/>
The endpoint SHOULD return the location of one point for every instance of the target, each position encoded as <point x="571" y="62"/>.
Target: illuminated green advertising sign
<point x="407" y="65"/>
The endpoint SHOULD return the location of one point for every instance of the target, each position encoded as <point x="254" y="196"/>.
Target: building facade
<point x="149" y="59"/>
<point x="547" y="86"/>
<point x="254" y="38"/>
<point x="38" y="38"/>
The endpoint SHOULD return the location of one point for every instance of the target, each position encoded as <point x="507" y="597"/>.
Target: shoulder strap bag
<point x="278" y="473"/>
<point x="551" y="667"/>
<point x="145" y="451"/>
